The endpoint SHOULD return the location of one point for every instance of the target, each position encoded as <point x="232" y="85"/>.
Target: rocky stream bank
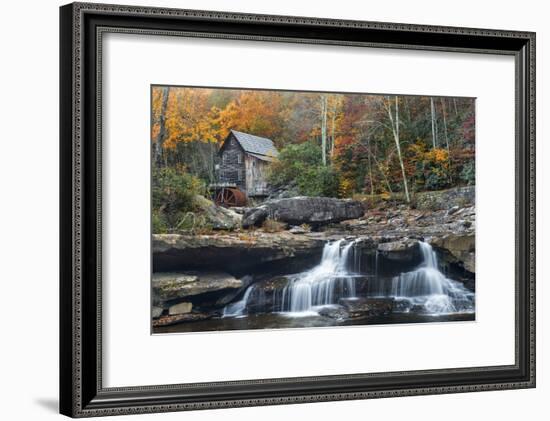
<point x="198" y="277"/>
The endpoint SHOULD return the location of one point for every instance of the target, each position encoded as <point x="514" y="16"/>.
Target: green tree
<point x="302" y="165"/>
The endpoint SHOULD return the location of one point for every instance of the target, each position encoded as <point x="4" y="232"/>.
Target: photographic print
<point x="290" y="209"/>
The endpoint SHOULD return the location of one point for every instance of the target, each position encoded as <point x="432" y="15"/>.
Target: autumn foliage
<point x="329" y="144"/>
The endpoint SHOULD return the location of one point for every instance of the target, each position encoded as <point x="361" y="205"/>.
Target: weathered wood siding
<point x="256" y="176"/>
<point x="232" y="166"/>
<point x="245" y="171"/>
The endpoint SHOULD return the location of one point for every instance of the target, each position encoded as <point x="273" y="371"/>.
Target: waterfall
<point x="238" y="308"/>
<point x="423" y="290"/>
<point x="333" y="278"/>
<point x="428" y="288"/>
<point x="376" y="258"/>
<point x="326" y="283"/>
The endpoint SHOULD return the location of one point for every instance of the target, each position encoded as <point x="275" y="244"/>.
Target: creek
<point x="341" y="287"/>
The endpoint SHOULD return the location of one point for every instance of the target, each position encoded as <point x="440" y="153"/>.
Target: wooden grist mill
<point x="242" y="172"/>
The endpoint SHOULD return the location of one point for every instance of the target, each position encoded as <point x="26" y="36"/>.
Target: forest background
<point x="364" y="146"/>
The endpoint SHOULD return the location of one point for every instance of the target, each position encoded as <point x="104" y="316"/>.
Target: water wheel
<point x="230" y="196"/>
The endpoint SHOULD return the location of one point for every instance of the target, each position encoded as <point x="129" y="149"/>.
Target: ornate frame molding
<point x="82" y="27"/>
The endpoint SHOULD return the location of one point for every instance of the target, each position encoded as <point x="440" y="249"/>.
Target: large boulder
<point x="304" y="210"/>
<point x="218" y="217"/>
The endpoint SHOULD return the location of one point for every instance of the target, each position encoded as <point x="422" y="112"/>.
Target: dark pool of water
<point x="282" y="321"/>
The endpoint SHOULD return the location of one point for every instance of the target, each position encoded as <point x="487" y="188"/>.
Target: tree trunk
<point x="444" y="112"/>
<point x="380" y="170"/>
<point x="324" y="128"/>
<point x="395" y="130"/>
<point x="333" y="130"/>
<point x="162" y="129"/>
<point x="434" y="139"/>
<point x="370" y="168"/>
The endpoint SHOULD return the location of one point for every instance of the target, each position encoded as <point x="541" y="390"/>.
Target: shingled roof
<point x="260" y="147"/>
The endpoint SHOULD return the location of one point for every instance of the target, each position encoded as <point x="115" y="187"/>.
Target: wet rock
<point x="266" y="295"/>
<point x="301" y="209"/>
<point x="417" y="308"/>
<point x="180" y="308"/>
<point x="402" y="306"/>
<point x="362" y="307"/>
<point x="271" y="285"/>
<point x="336" y="312"/>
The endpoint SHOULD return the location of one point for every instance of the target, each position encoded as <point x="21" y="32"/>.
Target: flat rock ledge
<point x="180" y="318"/>
<point x="176" y="286"/>
<point x="232" y="252"/>
<point x="405" y="249"/>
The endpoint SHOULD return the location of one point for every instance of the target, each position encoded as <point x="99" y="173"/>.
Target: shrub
<point x="292" y="161"/>
<point x="432" y="167"/>
<point x="301" y="164"/>
<point x="318" y="181"/>
<point x="346" y="187"/>
<point x="158" y="222"/>
<point x="173" y="195"/>
<point x="468" y="173"/>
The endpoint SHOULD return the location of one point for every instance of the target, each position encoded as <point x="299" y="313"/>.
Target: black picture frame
<point x="81" y="390"/>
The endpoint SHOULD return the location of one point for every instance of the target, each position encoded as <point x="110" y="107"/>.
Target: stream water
<point x="418" y="295"/>
<point x="283" y="321"/>
<point x="326" y="294"/>
<point x="426" y="288"/>
<point x="333" y="278"/>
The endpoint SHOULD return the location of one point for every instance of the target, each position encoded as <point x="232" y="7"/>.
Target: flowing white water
<point x="426" y="287"/>
<point x="424" y="290"/>
<point x="238" y="308"/>
<point x="333" y="278"/>
<point x="326" y="283"/>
